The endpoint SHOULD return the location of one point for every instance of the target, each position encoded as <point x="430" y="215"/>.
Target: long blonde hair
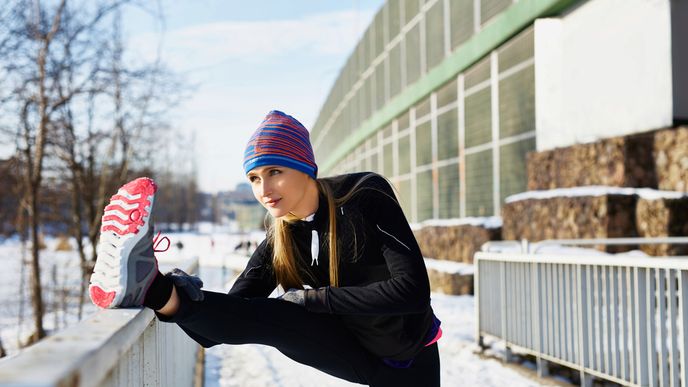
<point x="279" y="236"/>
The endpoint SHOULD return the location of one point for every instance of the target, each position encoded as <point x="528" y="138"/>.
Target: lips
<point x="272" y="203"/>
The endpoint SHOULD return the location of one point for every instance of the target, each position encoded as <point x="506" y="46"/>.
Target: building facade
<point x="446" y="97"/>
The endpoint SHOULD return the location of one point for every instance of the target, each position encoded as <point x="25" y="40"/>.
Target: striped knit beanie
<point x="280" y="140"/>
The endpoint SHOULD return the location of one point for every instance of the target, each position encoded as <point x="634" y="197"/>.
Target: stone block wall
<point x="607" y="216"/>
<point x="454" y="243"/>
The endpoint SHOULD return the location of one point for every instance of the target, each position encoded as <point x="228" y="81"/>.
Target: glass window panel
<point x="479" y="184"/>
<point x="424" y="195"/>
<point x="374" y="164"/>
<point x="517" y="50"/>
<point x="434" y="35"/>
<point x="517" y="103"/>
<point x="478" y="73"/>
<point x="448" y="182"/>
<point x="387" y="131"/>
<point x="370" y="35"/>
<point x="413" y="55"/>
<point x="379" y="32"/>
<point x="448" y="135"/>
<point x="461" y="16"/>
<point x="423" y="108"/>
<point x="394" y="20"/>
<point x="446" y="94"/>
<point x="395" y="70"/>
<point x="423" y="144"/>
<point x="403" y="121"/>
<point x="404" y="155"/>
<point x="380" y="86"/>
<point x="370" y="87"/>
<point x="363" y="54"/>
<point x="490" y="8"/>
<point x="412" y="7"/>
<point x="404" y="196"/>
<point x="388" y="160"/>
<point x="478" y="118"/>
<point x="512" y="163"/>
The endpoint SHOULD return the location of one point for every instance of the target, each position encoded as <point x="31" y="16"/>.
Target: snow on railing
<point x="621" y="319"/>
<point x="113" y="347"/>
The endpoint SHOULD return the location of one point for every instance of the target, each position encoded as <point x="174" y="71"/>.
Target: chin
<point x="277" y="213"/>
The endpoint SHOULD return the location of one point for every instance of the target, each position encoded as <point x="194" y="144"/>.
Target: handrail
<point x="533" y="247"/>
<point x="112" y="346"/>
<point x="623" y="320"/>
<point x="610" y="241"/>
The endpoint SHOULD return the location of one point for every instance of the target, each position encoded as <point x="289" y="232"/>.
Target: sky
<point x="243" y="59"/>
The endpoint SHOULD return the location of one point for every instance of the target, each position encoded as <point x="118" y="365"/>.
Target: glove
<point x="297" y="296"/>
<point x="191" y="285"/>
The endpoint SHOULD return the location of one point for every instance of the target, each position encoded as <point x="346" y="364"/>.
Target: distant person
<point x="365" y="313"/>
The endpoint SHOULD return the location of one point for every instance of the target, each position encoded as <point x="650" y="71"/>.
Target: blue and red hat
<point x="280" y="140"/>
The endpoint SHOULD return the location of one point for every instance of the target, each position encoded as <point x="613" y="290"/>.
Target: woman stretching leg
<point x="365" y="315"/>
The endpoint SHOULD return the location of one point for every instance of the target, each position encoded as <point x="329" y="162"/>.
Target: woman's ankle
<point x="159" y="292"/>
<point x="172" y="305"/>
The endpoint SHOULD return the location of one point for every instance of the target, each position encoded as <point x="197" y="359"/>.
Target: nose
<point x="264" y="188"/>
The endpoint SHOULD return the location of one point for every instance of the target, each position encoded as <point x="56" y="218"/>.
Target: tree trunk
<point x="36" y="289"/>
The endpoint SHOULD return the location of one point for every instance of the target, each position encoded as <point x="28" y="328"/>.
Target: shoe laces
<point x="156" y="243"/>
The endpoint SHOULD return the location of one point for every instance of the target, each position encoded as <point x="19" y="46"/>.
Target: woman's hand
<point x="190" y="284"/>
<point x="297" y="296"/>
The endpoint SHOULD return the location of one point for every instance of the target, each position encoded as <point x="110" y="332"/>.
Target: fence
<point x="619" y="319"/>
<point x="114" y="347"/>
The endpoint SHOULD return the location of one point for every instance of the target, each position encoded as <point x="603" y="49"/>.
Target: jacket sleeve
<point x="258" y="278"/>
<point x="408" y="289"/>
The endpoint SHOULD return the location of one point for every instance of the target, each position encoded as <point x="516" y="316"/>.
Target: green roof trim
<point x="505" y="25"/>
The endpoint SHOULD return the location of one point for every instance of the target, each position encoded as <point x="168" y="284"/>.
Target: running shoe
<point x="126" y="264"/>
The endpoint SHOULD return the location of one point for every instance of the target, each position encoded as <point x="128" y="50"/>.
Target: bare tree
<point x="99" y="154"/>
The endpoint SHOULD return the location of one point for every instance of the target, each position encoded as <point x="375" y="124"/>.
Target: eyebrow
<point x="261" y="169"/>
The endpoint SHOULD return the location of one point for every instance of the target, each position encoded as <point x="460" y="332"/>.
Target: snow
<point x="645" y="193"/>
<point x="257" y="365"/>
<point x="486" y="222"/>
<point x="450" y="267"/>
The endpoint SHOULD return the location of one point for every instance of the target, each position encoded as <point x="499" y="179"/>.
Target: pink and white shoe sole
<point x="125" y="224"/>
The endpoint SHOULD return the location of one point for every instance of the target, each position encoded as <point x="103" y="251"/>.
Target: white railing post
<point x="683" y="318"/>
<point x="477" y="295"/>
<point x="505" y="336"/>
<point x="586" y="379"/>
<point x="641" y="326"/>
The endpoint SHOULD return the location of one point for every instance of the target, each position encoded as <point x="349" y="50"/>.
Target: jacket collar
<point x="320" y="217"/>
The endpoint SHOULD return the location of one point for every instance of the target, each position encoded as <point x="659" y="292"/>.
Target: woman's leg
<point x="318" y="340"/>
<point x="425" y="371"/>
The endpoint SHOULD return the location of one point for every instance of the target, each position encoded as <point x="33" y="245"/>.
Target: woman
<point x="357" y="302"/>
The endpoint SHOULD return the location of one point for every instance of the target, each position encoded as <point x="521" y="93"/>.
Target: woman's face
<point x="280" y="190"/>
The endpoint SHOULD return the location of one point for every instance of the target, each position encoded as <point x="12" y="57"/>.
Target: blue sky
<point x="246" y="58"/>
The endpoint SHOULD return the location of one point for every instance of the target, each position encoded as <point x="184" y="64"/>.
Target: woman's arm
<point x="258" y="278"/>
<point x="408" y="289"/>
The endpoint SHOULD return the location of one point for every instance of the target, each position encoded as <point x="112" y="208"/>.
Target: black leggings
<point x="318" y="340"/>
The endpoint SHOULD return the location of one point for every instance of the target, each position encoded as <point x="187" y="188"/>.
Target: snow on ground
<point x="60" y="274"/>
<point x="255" y="365"/>
<point x="486" y="222"/>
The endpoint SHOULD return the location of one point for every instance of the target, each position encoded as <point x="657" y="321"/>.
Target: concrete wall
<point x="602" y="70"/>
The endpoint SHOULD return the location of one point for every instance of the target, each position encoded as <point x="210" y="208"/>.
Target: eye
<point x="274" y="172"/>
<point x="252" y="178"/>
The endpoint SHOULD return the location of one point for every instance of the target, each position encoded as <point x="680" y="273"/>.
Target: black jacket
<point x="384" y="292"/>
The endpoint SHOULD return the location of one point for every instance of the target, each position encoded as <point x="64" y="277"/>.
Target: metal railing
<point x="113" y="347"/>
<point x="623" y="320"/>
